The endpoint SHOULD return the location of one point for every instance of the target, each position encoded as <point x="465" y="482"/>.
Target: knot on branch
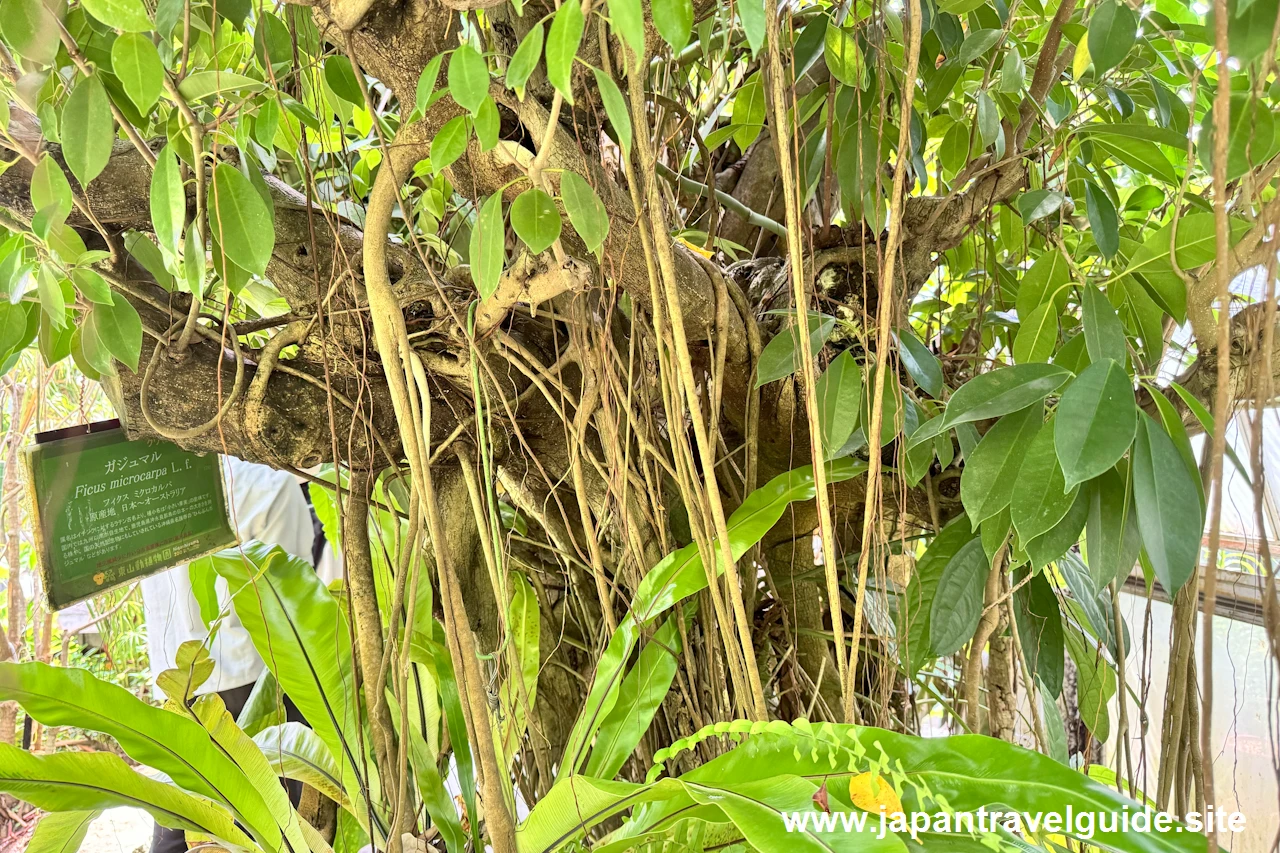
<point x="531" y="280"/>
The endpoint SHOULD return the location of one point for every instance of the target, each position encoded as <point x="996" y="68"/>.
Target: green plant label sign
<point x="109" y="510"/>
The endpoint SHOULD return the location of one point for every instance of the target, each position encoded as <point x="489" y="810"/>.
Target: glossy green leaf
<point x="519" y="690"/>
<point x="76" y="781"/>
<point x="751" y="14"/>
<point x="749" y="111"/>
<point x="1034" y="205"/>
<point x="207" y="84"/>
<point x="341" y="78"/>
<point x="1040" y="628"/>
<point x="239" y="220"/>
<point x="296" y="752"/>
<point x="119" y="329"/>
<point x="562" y="46"/>
<point x="1112" y="538"/>
<point x="136" y="62"/>
<point x="127" y="15"/>
<point x="921" y="364"/>
<point x="586" y="212"/>
<point x="615" y="108"/>
<point x="296" y="626"/>
<point x="31" y="28"/>
<point x="168" y="200"/>
<point x="844" y="57"/>
<point x="988" y="119"/>
<point x="639" y="698"/>
<point x="13" y="327"/>
<point x="61" y="832"/>
<point x="1112" y="30"/>
<point x="957" y="606"/>
<point x="673" y="20"/>
<point x="1013" y="73"/>
<point x="1037" y="336"/>
<point x="526" y="57"/>
<point x="915" y="605"/>
<point x="978" y="42"/>
<point x="1059" y="539"/>
<point x="1168" y="504"/>
<point x="1047" y="280"/>
<point x="627" y="19"/>
<point x="1103" y="332"/>
<point x="169" y="742"/>
<point x="1097" y="418"/>
<point x="1095" y="685"/>
<point x="1103" y="221"/>
<point x="52" y="299"/>
<point x="449" y="143"/>
<point x="488" y="246"/>
<point x="839" y="392"/>
<point x="1005" y="390"/>
<point x="487" y="124"/>
<point x="50" y="190"/>
<point x="991" y="471"/>
<point x="425" y="94"/>
<point x="87" y="130"/>
<point x="778" y="358"/>
<point x="468" y="78"/>
<point x="1040" y="497"/>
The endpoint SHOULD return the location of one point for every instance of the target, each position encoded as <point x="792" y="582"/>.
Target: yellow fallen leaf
<point x="870" y="792"/>
<point x="696" y="248"/>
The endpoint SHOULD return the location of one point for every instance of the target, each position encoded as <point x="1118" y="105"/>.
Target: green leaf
<point x="751" y="14"/>
<point x="1040" y="628"/>
<point x="119" y="329"/>
<point x="31" y="28"/>
<point x="172" y="743"/>
<point x="71" y="782"/>
<point x="127" y="15"/>
<point x="61" y="832"/>
<point x="13" y="327"/>
<point x="145" y="252"/>
<point x="991" y="472"/>
<point x="988" y="119"/>
<point x="839" y="392"/>
<point x="957" y="606"/>
<point x="206" y="84"/>
<point x="977" y="43"/>
<point x="449" y="144"/>
<point x="468" y="78"/>
<point x="1112" y="31"/>
<point x="674" y="21"/>
<point x="168" y="200"/>
<point x="297" y="627"/>
<point x="1040" y="497"/>
<point x="296" y="752"/>
<point x="50" y="190"/>
<point x="1103" y="222"/>
<point x="680" y="575"/>
<point x="239" y="220"/>
<point x="487" y="124"/>
<point x="1059" y="539"/>
<point x="193" y="263"/>
<point x="615" y="108"/>
<point x="1037" y="336"/>
<point x="749" y="111"/>
<point x="586" y="212"/>
<point x="844" y="57"/>
<point x="1014" y="72"/>
<point x="1047" y="281"/>
<point x="626" y="17"/>
<point x="518" y="691"/>
<point x="526" y="57"/>
<point x="1103" y="332"/>
<point x="1035" y="205"/>
<point x="535" y="219"/>
<point x="1112" y="538"/>
<point x="136" y="62"/>
<point x="778" y="358"/>
<point x="1005" y="390"/>
<point x="488" y="246"/>
<point x="1097" y="421"/>
<point x="1169" y="511"/>
<point x="562" y="46"/>
<point x="1141" y="155"/>
<point x="426" y="89"/>
<point x="639" y="698"/>
<point x="52" y="299"/>
<point x="921" y="364"/>
<point x="1095" y="685"/>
